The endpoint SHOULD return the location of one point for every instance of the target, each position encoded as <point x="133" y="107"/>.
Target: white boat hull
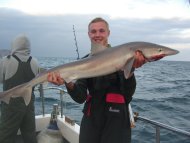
<point x="69" y="131"/>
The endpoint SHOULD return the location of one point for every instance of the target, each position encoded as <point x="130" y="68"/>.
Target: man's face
<point x="98" y="33"/>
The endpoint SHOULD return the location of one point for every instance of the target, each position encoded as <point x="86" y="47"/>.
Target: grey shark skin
<point x="105" y="62"/>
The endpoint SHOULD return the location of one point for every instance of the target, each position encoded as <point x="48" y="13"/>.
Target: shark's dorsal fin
<point x="96" y="48"/>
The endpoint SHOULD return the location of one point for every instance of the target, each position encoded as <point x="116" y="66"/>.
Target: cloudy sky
<point x="49" y="24"/>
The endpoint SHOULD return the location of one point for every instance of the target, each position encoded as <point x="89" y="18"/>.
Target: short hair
<point x="98" y="19"/>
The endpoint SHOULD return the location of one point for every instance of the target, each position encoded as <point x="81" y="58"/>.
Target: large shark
<point x="101" y="63"/>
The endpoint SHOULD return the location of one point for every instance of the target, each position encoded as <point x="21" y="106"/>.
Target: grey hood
<point x="21" y="45"/>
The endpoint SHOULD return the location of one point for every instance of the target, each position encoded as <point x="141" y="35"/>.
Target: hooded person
<point x="17" y="68"/>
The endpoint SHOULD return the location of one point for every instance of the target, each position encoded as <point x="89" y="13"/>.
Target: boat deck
<point x="70" y="130"/>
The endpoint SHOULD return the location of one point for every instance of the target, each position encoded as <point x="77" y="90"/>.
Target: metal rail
<point x="164" y="126"/>
<point x="158" y="125"/>
<point x="41" y="92"/>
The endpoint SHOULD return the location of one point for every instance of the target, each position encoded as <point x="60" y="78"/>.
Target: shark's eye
<point x="160" y="50"/>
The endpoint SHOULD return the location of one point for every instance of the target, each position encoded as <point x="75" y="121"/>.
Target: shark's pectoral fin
<point x="128" y="66"/>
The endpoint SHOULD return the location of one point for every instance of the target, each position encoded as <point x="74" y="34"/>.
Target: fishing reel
<point x="53" y="120"/>
<point x="55" y="112"/>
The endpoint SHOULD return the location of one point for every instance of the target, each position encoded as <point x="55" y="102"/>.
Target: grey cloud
<point x="53" y="35"/>
<point x="154" y="30"/>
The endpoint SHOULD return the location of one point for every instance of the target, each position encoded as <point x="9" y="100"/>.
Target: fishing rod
<point x="76" y="43"/>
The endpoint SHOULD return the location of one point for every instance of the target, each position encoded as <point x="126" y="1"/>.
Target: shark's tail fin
<point x="19" y="91"/>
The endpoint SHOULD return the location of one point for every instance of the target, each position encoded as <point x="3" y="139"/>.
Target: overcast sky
<point x="49" y="24"/>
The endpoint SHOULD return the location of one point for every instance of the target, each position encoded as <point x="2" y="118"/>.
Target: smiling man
<point x="106" y="117"/>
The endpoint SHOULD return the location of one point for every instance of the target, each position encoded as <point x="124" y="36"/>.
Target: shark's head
<point x="154" y="52"/>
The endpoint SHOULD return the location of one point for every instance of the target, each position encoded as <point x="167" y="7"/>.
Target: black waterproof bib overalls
<point x="16" y="114"/>
<point x="106" y="117"/>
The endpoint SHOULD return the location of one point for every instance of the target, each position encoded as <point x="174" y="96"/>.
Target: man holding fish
<point x="106" y="117"/>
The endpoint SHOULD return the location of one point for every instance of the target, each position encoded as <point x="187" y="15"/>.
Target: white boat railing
<point x="157" y="125"/>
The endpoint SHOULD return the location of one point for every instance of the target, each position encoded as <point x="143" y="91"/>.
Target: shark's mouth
<point x="156" y="57"/>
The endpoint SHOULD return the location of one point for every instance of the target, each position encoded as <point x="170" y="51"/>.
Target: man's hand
<point x="55" y="78"/>
<point x="139" y="59"/>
